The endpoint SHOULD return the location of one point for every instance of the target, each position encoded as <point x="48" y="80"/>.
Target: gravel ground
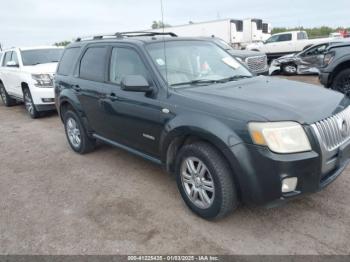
<point x="54" y="201"/>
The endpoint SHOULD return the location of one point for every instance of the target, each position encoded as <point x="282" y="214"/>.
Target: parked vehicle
<point x="255" y="61"/>
<point x="185" y="103"/>
<point x="285" y="43"/>
<point x="304" y="62"/>
<point x="335" y="72"/>
<point x="26" y="74"/>
<point x="237" y="33"/>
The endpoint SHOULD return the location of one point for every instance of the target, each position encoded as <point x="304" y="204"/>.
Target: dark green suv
<point x="185" y="103"/>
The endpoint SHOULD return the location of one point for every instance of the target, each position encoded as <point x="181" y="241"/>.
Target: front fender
<point x="203" y="126"/>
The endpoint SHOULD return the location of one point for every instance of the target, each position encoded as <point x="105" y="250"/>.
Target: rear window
<point x="68" y="61"/>
<point x="301" y="35"/>
<point x="93" y="63"/>
<point x="41" y="56"/>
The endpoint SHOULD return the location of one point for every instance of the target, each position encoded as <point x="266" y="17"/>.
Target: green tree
<point x="63" y="43"/>
<point x="159" y="24"/>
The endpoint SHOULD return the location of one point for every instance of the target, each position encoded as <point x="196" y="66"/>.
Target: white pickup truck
<point x="26" y="74"/>
<point x="285" y="43"/>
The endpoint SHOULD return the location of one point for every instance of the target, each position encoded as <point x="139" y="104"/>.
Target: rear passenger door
<point x="91" y="88"/>
<point x="133" y="118"/>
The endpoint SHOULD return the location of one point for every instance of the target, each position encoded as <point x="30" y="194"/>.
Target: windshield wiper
<point x="195" y="82"/>
<point x="233" y="78"/>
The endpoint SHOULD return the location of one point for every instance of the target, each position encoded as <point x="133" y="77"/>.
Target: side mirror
<point x="135" y="83"/>
<point x="12" y="64"/>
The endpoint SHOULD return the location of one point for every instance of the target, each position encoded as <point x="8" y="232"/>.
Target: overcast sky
<point x="39" y="22"/>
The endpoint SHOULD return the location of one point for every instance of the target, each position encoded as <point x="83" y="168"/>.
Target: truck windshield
<point x="187" y="62"/>
<point x="41" y="56"/>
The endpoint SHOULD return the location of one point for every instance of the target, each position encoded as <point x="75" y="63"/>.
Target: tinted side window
<point x="68" y="61"/>
<point x="125" y="61"/>
<point x="285" y="37"/>
<point x="7" y="58"/>
<point x="301" y="35"/>
<point x="93" y="63"/>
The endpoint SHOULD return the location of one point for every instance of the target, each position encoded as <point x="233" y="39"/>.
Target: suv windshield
<point x="41" y="56"/>
<point x="195" y="62"/>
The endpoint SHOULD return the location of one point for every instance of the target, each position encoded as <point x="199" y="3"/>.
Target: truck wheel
<point x="76" y="134"/>
<point x="289" y="69"/>
<point x="29" y="104"/>
<point x="341" y="82"/>
<point x="6" y="99"/>
<point x="205" y="181"/>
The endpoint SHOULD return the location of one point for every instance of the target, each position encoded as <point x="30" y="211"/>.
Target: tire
<point x="29" y="104"/>
<point x="221" y="199"/>
<point x="6" y="99"/>
<point x="289" y="69"/>
<point x="76" y="134"/>
<point x="341" y="82"/>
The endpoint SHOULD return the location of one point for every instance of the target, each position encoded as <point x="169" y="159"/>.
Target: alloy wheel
<point x="344" y="85"/>
<point x="197" y="182"/>
<point x="291" y="69"/>
<point x="28" y="102"/>
<point x="73" y="132"/>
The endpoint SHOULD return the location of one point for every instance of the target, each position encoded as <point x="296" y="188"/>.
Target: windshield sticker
<point x="231" y="62"/>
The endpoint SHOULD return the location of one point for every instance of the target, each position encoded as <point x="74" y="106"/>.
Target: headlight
<point x="42" y="80"/>
<point x="275" y="63"/>
<point x="280" y="137"/>
<point x="328" y="58"/>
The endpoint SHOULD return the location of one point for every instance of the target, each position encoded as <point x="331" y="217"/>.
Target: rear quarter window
<point x="68" y="61"/>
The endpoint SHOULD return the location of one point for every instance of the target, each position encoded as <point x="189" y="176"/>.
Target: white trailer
<point x="229" y="30"/>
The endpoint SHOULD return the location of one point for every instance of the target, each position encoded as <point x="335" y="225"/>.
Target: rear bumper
<point x="260" y="173"/>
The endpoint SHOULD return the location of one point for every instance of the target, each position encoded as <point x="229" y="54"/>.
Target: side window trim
<point x="85" y="49"/>
<point x="143" y="59"/>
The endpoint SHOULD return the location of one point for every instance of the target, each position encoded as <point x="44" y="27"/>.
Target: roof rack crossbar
<point x="125" y="34"/>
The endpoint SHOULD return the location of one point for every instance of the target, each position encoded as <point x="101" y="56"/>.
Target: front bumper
<point x="324" y="78"/>
<point x="259" y="173"/>
<point x="43" y="97"/>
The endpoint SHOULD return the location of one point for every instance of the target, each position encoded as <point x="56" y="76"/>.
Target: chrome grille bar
<point x="334" y="131"/>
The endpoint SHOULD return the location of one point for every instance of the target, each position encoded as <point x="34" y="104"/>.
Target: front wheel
<point x="289" y="69"/>
<point x="29" y="104"/>
<point x="341" y="82"/>
<point x="205" y="181"/>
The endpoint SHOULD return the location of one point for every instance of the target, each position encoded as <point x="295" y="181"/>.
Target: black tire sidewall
<point x="215" y="208"/>
<point x="8" y="98"/>
<point x="35" y="113"/>
<point x="339" y="77"/>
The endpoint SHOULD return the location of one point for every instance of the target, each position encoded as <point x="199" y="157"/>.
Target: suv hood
<point x="49" y="68"/>
<point x="270" y="98"/>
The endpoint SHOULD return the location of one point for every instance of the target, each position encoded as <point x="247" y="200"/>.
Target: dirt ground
<point x="54" y="201"/>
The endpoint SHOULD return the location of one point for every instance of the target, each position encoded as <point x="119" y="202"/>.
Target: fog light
<point x="289" y="184"/>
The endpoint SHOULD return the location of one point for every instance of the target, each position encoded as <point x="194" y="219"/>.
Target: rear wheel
<point x="289" y="69"/>
<point x="205" y="182"/>
<point x="29" y="104"/>
<point x="6" y="99"/>
<point x="76" y="134"/>
<point x="341" y="82"/>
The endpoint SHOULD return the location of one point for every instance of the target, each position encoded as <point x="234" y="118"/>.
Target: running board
<point x="129" y="149"/>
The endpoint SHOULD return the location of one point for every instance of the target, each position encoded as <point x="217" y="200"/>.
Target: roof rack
<point x="124" y="34"/>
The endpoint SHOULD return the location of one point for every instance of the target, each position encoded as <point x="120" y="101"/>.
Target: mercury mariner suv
<point x="187" y="104"/>
<point x="26" y="74"/>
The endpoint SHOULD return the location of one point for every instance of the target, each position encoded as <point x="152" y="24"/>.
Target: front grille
<point x="334" y="131"/>
<point x="257" y="64"/>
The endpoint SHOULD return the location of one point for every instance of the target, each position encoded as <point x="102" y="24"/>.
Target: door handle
<point x="76" y="88"/>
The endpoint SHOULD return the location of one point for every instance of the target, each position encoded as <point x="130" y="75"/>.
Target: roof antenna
<point x="164" y="49"/>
